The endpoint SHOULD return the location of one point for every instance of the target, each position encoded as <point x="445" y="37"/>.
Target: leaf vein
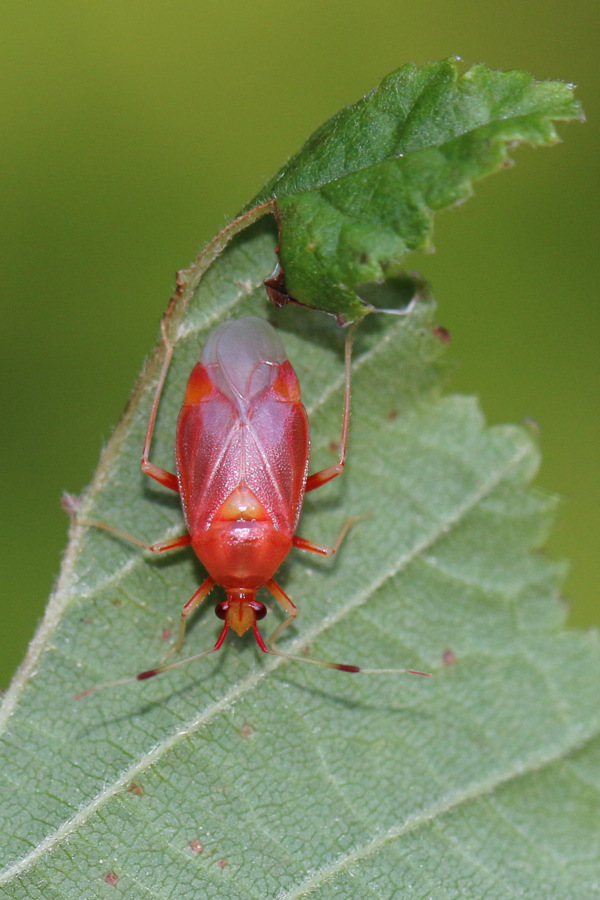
<point x="444" y="805"/>
<point x="250" y="681"/>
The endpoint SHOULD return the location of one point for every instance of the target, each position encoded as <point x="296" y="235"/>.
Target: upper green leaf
<point x="362" y="191"/>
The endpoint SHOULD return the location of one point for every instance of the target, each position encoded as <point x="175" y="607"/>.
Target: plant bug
<point x="242" y="455"/>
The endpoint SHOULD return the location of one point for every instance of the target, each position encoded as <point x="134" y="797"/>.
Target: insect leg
<point x="71" y="506"/>
<point x="274" y="650"/>
<point x="320" y="478"/>
<point x="289" y="606"/>
<point x="182" y="540"/>
<point x="192" y="604"/>
<point x="168" y="479"/>
<point x="312" y="547"/>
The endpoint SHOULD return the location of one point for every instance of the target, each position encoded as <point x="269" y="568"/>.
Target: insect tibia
<point x="149" y="673"/>
<point x="395" y="672"/>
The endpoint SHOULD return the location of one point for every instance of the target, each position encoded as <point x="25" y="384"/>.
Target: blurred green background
<point x="131" y="132"/>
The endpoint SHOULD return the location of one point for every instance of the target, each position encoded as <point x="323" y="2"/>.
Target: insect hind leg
<point x="168" y="479"/>
<point x="71" y="506"/>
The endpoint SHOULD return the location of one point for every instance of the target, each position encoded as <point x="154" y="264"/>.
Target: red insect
<point x="242" y="452"/>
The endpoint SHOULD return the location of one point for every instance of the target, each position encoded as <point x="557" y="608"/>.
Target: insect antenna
<point x="129" y="679"/>
<point x="343" y="667"/>
<point x="325" y="664"/>
<point x="150" y="673"/>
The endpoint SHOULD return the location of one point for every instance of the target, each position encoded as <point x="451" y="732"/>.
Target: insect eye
<point x="221" y="609"/>
<point x="259" y="609"/>
<point x="199" y="385"/>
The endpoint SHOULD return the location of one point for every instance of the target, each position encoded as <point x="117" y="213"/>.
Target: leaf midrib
<point x="411" y="154"/>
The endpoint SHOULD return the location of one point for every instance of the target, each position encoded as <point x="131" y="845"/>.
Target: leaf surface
<point x="249" y="777"/>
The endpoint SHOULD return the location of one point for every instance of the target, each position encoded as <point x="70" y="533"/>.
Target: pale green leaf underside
<point x="480" y="782"/>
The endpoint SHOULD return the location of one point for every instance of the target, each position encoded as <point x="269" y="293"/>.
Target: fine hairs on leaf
<point x="250" y="776"/>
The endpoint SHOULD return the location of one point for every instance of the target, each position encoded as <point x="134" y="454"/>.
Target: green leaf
<point x="479" y="782"/>
<point x="362" y="192"/>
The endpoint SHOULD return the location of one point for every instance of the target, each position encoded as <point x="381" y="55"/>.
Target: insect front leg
<point x="192" y="604"/>
<point x="289" y="606"/>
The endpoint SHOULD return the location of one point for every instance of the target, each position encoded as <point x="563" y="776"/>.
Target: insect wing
<point x="208" y="453"/>
<point x="276" y="455"/>
<point x="243" y="423"/>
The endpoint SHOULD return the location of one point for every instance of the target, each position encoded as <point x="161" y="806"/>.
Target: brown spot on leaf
<point x="441" y="333"/>
<point x="449" y="657"/>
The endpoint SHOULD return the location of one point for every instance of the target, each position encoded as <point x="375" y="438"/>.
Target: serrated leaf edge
<point x="250" y="681"/>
